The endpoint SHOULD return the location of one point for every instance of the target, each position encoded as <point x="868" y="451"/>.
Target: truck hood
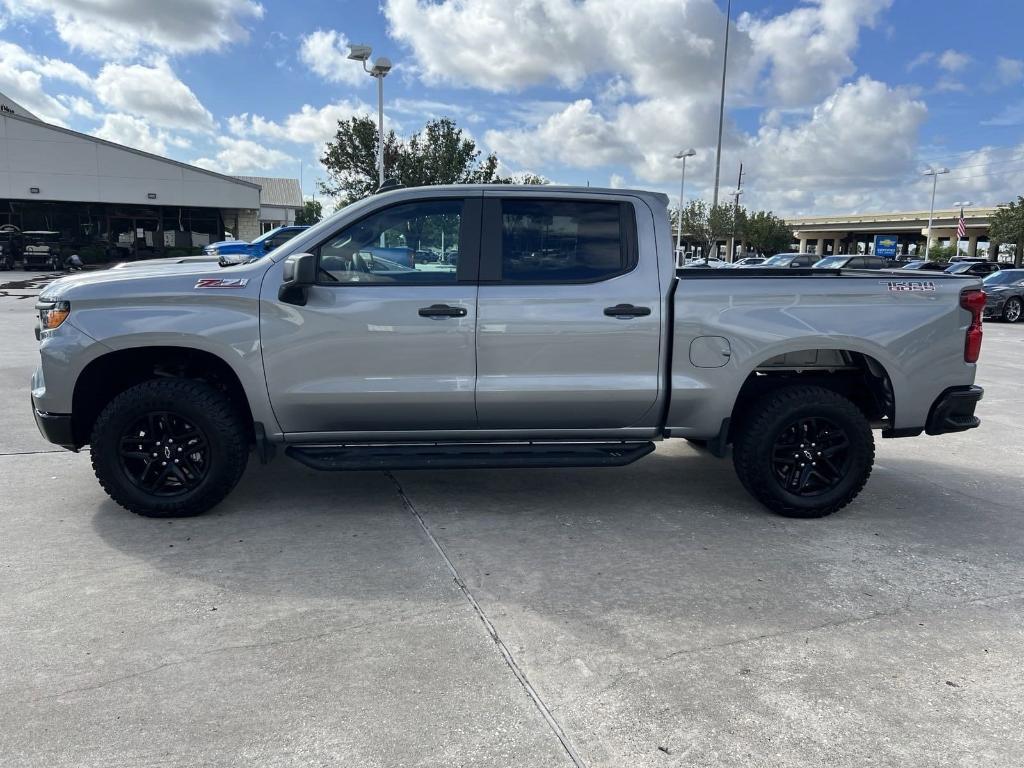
<point x="142" y="280"/>
<point x="228" y="245"/>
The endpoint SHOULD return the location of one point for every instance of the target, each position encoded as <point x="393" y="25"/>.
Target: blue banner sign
<point x="886" y="245"/>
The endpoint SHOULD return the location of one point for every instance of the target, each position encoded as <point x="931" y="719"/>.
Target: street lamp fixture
<point x="934" y="173"/>
<point x="682" y="155"/>
<point x="379" y="70"/>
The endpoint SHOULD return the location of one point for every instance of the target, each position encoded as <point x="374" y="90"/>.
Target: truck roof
<point x="540" y="190"/>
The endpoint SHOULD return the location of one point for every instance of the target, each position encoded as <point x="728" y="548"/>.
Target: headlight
<point x="52" y="315"/>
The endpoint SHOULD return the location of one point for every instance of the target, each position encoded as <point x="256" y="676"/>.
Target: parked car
<point x="230" y="252"/>
<point x="749" y="261"/>
<point x="854" y="261"/>
<point x="927" y="266"/>
<point x="790" y="261"/>
<point x="1004" y="295"/>
<point x="41" y="250"/>
<point x="585" y="357"/>
<point x="975" y="268"/>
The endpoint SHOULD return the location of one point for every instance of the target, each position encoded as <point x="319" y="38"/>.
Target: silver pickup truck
<point x="493" y="326"/>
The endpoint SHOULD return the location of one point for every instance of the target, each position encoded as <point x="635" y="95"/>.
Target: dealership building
<point x="110" y="201"/>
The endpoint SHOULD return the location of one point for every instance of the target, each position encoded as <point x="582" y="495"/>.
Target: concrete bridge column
<point x="972" y="245"/>
<point x="803" y="245"/>
<point x="819" y="248"/>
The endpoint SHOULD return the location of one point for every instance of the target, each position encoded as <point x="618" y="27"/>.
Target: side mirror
<point x="299" y="274"/>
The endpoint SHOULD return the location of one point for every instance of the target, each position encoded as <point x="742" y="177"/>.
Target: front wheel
<point x="169" y="448"/>
<point x="1012" y="310"/>
<point x="804" y="451"/>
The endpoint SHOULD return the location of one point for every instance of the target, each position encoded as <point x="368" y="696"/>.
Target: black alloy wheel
<point x="164" y="454"/>
<point x="810" y="456"/>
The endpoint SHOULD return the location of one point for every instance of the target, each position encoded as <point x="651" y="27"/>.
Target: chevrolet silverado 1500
<point x="564" y="337"/>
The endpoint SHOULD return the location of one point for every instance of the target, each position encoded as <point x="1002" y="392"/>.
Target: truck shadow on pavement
<point x="672" y="521"/>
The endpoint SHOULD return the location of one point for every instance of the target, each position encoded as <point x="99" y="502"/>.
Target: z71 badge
<point x="912" y="286"/>
<point x="222" y="282"/>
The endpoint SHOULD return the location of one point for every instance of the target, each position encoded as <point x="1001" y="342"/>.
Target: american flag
<point x="961" y="227"/>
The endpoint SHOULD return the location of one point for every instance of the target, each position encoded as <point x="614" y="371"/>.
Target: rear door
<point x="568" y="335"/>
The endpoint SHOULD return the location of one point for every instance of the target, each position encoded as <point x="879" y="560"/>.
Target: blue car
<point x="237" y="251"/>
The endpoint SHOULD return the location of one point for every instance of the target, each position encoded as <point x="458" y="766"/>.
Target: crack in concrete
<point x="33" y="453"/>
<point x="228" y="649"/>
<point x="520" y="675"/>
<point x="904" y="609"/>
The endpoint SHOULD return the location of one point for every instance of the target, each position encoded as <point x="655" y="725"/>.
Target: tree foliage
<point x="310" y="213"/>
<point x="441" y="153"/>
<point x="1007" y="226"/>
<point x="705" y="226"/>
<point x="767" y="234"/>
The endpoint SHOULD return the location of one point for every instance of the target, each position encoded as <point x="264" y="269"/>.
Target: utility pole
<point x="721" y="104"/>
<point x="735" y="213"/>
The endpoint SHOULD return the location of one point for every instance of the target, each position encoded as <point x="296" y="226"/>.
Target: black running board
<point x="468" y="455"/>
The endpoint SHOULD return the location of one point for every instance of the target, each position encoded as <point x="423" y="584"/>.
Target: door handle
<point x="626" y="310"/>
<point x="442" y="310"/>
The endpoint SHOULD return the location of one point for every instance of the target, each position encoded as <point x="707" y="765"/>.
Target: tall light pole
<point x="721" y="104"/>
<point x="735" y="215"/>
<point x="682" y="155"/>
<point x="379" y="70"/>
<point x="961" y="204"/>
<point x="934" y="173"/>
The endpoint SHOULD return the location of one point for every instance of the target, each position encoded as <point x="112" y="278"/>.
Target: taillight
<point x="973" y="301"/>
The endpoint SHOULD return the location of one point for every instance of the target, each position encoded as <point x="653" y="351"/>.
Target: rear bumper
<point x="55" y="427"/>
<point x="953" y="410"/>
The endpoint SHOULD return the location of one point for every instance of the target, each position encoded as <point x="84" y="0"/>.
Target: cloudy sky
<point x="832" y="105"/>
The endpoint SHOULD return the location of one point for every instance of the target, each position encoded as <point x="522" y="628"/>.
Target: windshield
<point x="265" y="235"/>
<point x="1005" y="277"/>
<point x="778" y="261"/>
<point x="832" y="262"/>
<point x="958" y="268"/>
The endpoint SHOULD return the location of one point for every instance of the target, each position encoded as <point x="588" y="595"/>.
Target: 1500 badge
<point x="222" y="282"/>
<point x="904" y="286"/>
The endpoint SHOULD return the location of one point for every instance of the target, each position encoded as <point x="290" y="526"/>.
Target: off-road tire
<point x="765" y="421"/>
<point x="208" y="408"/>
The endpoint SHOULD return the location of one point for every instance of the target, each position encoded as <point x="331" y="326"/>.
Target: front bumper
<point x="953" y="410"/>
<point x="55" y="427"/>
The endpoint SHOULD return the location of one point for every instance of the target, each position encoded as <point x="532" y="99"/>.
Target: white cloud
<point x="310" y="125"/>
<point x="245" y="157"/>
<point x="113" y="29"/>
<point x="835" y="152"/>
<point x="1010" y="71"/>
<point x="79" y="106"/>
<point x="953" y="61"/>
<point x="325" y="52"/>
<point x="809" y="49"/>
<point x="656" y="46"/>
<point x="153" y="92"/>
<point x="133" y="132"/>
<point x="21" y="77"/>
<point x="920" y="60"/>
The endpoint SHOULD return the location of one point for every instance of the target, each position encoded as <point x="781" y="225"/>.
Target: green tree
<point x="1007" y="226"/>
<point x="441" y="153"/>
<point x="310" y="213"/>
<point x="705" y="226"/>
<point x="767" y="234"/>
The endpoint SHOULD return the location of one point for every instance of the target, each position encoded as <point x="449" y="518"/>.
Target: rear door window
<point x="562" y="241"/>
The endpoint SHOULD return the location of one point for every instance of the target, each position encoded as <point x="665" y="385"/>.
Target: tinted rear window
<point x="553" y="241"/>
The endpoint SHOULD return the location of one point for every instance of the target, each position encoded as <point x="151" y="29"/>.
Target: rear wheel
<point x="1012" y="310"/>
<point x="169" y="448"/>
<point x="804" y="451"/>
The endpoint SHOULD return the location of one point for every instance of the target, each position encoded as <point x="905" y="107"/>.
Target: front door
<point x="386" y="340"/>
<point x="569" y="331"/>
